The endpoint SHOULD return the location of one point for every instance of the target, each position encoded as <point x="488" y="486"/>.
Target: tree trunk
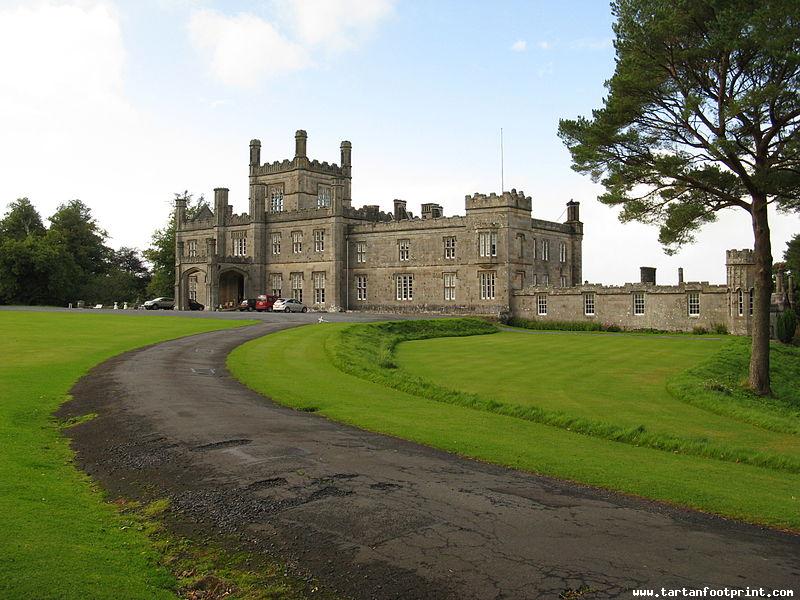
<point x="762" y="251"/>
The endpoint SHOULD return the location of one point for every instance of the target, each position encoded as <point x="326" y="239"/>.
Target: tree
<point x="792" y="258"/>
<point x="125" y="279"/>
<point x="21" y="220"/>
<point x="36" y="270"/>
<point x="82" y="236"/>
<point x="702" y="115"/>
<point x="161" y="253"/>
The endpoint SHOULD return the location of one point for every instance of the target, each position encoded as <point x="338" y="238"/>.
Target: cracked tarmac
<point x="372" y="516"/>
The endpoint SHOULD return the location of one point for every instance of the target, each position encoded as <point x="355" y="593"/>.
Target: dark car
<point x="195" y="305"/>
<point x="160" y="303"/>
<point x="249" y="305"/>
<point x="265" y="302"/>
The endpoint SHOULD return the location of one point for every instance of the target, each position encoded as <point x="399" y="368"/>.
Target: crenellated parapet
<point x="284" y="166"/>
<point x="368" y="212"/>
<point x="242" y="219"/>
<point x="513" y="199"/>
<point x="198" y="224"/>
<point x="408" y="225"/>
<point x="740" y="257"/>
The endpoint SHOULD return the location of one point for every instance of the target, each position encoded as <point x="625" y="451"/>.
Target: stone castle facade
<point x="303" y="238"/>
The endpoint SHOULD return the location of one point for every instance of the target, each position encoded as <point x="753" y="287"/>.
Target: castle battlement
<point x="739" y="257"/>
<point x="512" y="199"/>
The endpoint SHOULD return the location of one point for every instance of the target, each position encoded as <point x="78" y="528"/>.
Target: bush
<point x="699" y="330"/>
<point x="720" y="328"/>
<point x="786" y="326"/>
<point x="555" y="325"/>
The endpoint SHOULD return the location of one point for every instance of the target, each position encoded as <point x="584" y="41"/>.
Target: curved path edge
<point x="372" y="516"/>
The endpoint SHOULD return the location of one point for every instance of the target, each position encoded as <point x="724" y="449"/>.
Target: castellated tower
<point x="741" y="285"/>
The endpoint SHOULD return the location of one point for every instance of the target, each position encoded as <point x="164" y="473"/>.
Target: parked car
<point x="289" y="305"/>
<point x="248" y="304"/>
<point x="160" y="303"/>
<point x="195" y="305"/>
<point x="265" y="302"/>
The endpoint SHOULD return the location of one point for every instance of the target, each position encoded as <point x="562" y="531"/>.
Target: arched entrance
<point x="194" y="287"/>
<point x="231" y="288"/>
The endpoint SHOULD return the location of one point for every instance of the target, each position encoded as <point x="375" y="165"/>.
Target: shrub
<point x="720" y="328"/>
<point x="555" y="325"/>
<point x="699" y="330"/>
<point x="786" y="326"/>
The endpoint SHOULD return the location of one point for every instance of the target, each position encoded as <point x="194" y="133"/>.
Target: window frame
<point x="361" y="287"/>
<point x="487" y="284"/>
<point x="693" y="304"/>
<point x="297" y="242"/>
<point x="541" y="305"/>
<point x="449" y="243"/>
<point x="589" y="304"/>
<point x="404" y="250"/>
<point x="449" y="286"/>
<point x="639" y="304"/>
<point x="404" y="287"/>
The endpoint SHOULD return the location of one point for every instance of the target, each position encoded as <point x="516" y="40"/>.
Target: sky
<point x="124" y="103"/>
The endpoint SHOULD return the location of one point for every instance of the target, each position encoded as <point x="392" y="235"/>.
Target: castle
<point x="302" y="238"/>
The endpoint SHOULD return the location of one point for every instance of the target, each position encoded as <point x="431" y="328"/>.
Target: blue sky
<point x="123" y="103"/>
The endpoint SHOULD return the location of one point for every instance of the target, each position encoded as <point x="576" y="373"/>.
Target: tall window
<point x="450" y="247"/>
<point x="193" y="287"/>
<point x="545" y="249"/>
<point x="693" y="301"/>
<point x="297" y="286"/>
<point x="297" y="242"/>
<point x="535" y="249"/>
<point x="404" y="249"/>
<point x="541" y="304"/>
<point x="324" y="197"/>
<point x="449" y="286"/>
<point x="487" y="243"/>
<point x="276" y="198"/>
<point x="276" y="283"/>
<point x="562" y="252"/>
<point x="276" y="243"/>
<point x="192" y="247"/>
<point x="405" y="287"/>
<point x="741" y="303"/>
<point x="638" y="303"/>
<point x="319" y="240"/>
<point x="545" y="279"/>
<point x="361" y="287"/>
<point x="563" y="281"/>
<point x="487" y="281"/>
<point x="239" y="243"/>
<point x="752" y="299"/>
<point x="361" y="252"/>
<point x="588" y="303"/>
<point x="520" y="245"/>
<point x="319" y="287"/>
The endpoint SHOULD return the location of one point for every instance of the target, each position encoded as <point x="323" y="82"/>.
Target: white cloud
<point x="544" y="45"/>
<point x="519" y="46"/>
<point x="244" y="48"/>
<point x="334" y="24"/>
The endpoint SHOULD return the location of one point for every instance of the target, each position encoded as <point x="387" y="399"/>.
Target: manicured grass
<point x="614" y="378"/>
<point x="275" y="365"/>
<point x="60" y="539"/>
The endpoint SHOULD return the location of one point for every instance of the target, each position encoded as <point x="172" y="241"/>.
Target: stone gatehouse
<point x="303" y="238"/>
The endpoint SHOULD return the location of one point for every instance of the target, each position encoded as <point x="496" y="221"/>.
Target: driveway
<point x="376" y="517"/>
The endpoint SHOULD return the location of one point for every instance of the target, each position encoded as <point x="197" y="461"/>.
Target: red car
<point x="265" y="302"/>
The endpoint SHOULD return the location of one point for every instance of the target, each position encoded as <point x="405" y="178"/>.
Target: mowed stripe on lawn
<point x="293" y="368"/>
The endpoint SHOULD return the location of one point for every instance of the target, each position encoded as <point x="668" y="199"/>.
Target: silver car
<point x="289" y="305"/>
<point x="160" y="303"/>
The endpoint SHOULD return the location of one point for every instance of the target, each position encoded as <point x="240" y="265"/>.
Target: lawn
<point x="491" y="397"/>
<point x="60" y="539"/>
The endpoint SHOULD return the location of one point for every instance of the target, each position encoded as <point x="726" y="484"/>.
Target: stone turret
<point x="255" y="153"/>
<point x="180" y="213"/>
<point x="513" y="199"/>
<point x="300" y="138"/>
<point x="346" y="149"/>
<point x="220" y="205"/>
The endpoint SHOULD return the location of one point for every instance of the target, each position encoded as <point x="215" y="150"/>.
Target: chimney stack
<point x="648" y="275"/>
<point x="573" y="211"/>
<point x="680" y="275"/>
<point x="300" y="137"/>
<point x="400" y="212"/>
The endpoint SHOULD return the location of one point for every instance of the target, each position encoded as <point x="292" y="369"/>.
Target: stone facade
<point x="302" y="238"/>
<point x="647" y="305"/>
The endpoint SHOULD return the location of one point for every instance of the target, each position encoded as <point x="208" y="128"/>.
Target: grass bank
<point x="346" y="388"/>
<point x="60" y="539"/>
